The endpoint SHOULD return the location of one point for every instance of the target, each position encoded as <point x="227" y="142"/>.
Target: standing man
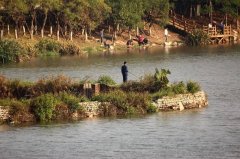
<point x="101" y="35"/>
<point x="124" y="70"/>
<point x="166" y="34"/>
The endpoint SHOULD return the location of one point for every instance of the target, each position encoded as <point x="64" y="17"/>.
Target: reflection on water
<point x="212" y="132"/>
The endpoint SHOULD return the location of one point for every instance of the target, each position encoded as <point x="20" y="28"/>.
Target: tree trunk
<point x="71" y="35"/>
<point x="51" y="31"/>
<point x="118" y="27"/>
<point x="109" y="29"/>
<point x="44" y="22"/>
<point x="83" y="31"/>
<point x="8" y="29"/>
<point x="16" y="33"/>
<point x="1" y="36"/>
<point x="137" y="31"/>
<point x="191" y="12"/>
<point x="42" y="33"/>
<point x="86" y="36"/>
<point x="150" y="30"/>
<point x="32" y="26"/>
<point x="24" y="30"/>
<point x="65" y="30"/>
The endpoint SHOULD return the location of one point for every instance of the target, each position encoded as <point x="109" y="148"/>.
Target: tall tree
<point x="156" y="11"/>
<point x="17" y="10"/>
<point x="46" y="6"/>
<point x="32" y="7"/>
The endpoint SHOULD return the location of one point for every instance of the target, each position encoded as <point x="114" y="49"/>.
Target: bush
<point x="53" y="85"/>
<point x="107" y="80"/>
<point x="179" y="88"/>
<point x="193" y="87"/>
<point x="43" y="107"/>
<point x="151" y="108"/>
<point x="71" y="101"/>
<point x="11" y="51"/>
<point x="48" y="47"/>
<point x="163" y="92"/>
<point x="198" y="37"/>
<point x="70" y="50"/>
<point x="117" y="98"/>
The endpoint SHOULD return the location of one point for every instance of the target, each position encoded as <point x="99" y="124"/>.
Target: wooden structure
<point x="216" y="33"/>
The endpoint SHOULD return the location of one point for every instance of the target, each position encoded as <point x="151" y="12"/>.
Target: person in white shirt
<point x="166" y="34"/>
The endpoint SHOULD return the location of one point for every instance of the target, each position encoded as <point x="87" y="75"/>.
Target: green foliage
<point x="118" y="98"/>
<point x="107" y="80"/>
<point x="179" y="88"/>
<point x="151" y="108"/>
<point x="48" y="47"/>
<point x="193" y="87"/>
<point x="53" y="85"/>
<point x="43" y="107"/>
<point x="149" y="83"/>
<point x="198" y="37"/>
<point x="163" y="92"/>
<point x="70" y="50"/>
<point x="11" y="51"/>
<point x="71" y="101"/>
<point x="129" y="102"/>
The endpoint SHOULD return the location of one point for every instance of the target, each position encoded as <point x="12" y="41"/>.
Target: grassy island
<point x="60" y="98"/>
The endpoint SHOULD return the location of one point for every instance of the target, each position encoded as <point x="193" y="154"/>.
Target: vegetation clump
<point x="59" y="97"/>
<point x="193" y="87"/>
<point x="11" y="51"/>
<point x="107" y="80"/>
<point x="48" y="47"/>
<point x="198" y="37"/>
<point x="43" y="107"/>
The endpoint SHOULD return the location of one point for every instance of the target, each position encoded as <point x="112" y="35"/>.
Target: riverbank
<point x="61" y="98"/>
<point x="23" y="48"/>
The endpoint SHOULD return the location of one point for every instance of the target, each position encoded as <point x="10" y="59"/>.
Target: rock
<point x="181" y="107"/>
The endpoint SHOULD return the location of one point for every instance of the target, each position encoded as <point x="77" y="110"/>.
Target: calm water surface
<point x="212" y="132"/>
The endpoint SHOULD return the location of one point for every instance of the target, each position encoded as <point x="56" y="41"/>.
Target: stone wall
<point x="95" y="108"/>
<point x="182" y="101"/>
<point x="4" y="113"/>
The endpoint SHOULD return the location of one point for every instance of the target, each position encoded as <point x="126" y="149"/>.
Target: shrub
<point x="198" y="37"/>
<point x="48" y="47"/>
<point x="117" y="98"/>
<point x="151" y="108"/>
<point x="179" y="88"/>
<point x="20" y="89"/>
<point x="43" y="107"/>
<point x="71" y="101"/>
<point x="20" y="111"/>
<point x="70" y="50"/>
<point x="193" y="87"/>
<point x="11" y="51"/>
<point x="163" y="92"/>
<point x="107" y="80"/>
<point x="52" y="85"/>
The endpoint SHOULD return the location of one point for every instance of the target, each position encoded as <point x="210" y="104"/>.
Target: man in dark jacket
<point x="124" y="70"/>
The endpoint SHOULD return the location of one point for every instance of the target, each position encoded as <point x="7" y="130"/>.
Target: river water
<point x="212" y="132"/>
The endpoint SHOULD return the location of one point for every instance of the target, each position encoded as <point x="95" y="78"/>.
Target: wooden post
<point x="87" y="89"/>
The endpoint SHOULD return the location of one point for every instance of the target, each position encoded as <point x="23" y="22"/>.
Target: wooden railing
<point x="189" y="25"/>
